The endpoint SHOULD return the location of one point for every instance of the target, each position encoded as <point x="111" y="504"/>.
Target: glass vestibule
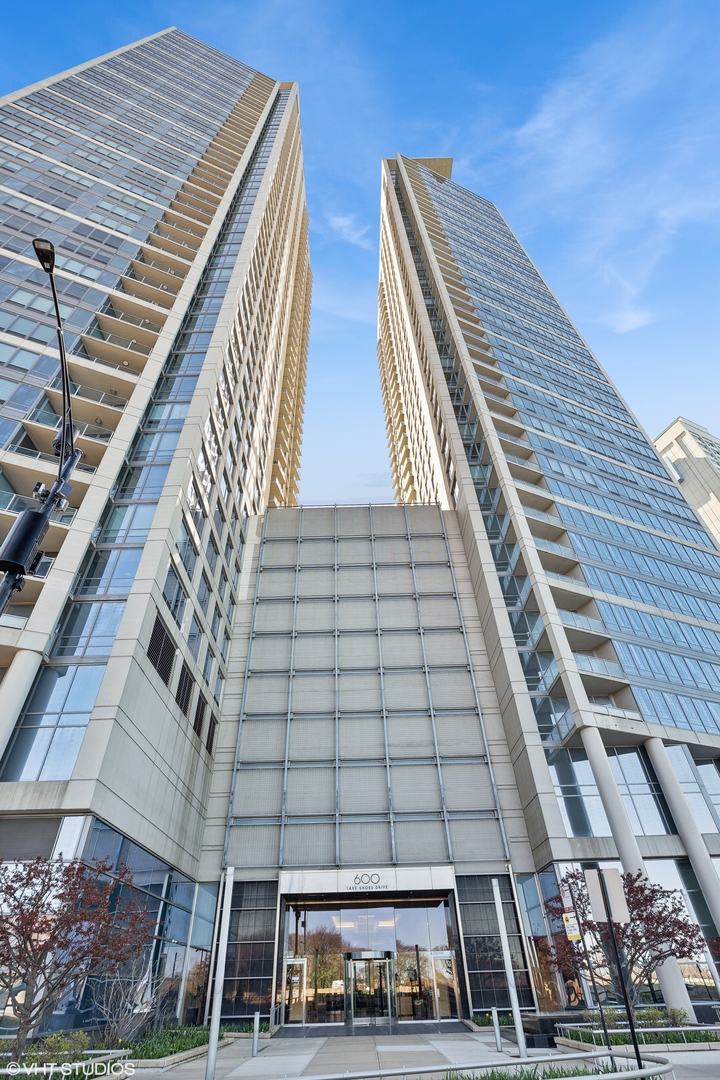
<point x="371" y="962"/>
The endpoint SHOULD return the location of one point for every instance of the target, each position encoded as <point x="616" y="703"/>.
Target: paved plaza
<point x="282" y="1058"/>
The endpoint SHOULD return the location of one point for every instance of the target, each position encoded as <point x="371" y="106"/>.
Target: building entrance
<point x="372" y="962"/>
<point x="369" y="983"/>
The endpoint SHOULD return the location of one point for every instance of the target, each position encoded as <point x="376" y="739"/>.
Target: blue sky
<point x="594" y="126"/>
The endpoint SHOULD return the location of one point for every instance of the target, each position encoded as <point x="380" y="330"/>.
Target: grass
<point x="645" y="1038"/>
<point x="160" y="1044"/>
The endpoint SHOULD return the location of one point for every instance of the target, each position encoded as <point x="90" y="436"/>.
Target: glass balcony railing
<point x="540" y="515"/>
<point x="39" y="456"/>
<point x="86" y="431"/>
<point x="174" y="239"/>
<point x="88" y="393"/>
<point x="594" y="665"/>
<point x="132" y="320"/>
<point x="11" y="503"/>
<point x="582" y="622"/>
<point x="119" y="342"/>
<point x="565" y="579"/>
<point x="152" y="282"/>
<point x="555" y="549"/>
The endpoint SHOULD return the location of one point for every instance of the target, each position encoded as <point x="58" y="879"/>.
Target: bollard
<point x="496" y="1027"/>
<point x="256" y="1033"/>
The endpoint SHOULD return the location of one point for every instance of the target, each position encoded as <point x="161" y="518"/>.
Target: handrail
<point x="641" y="1031"/>
<point x="595" y="665"/>
<point x="660" y="1067"/>
<point x="125" y="316"/>
<point x="89" y="393"/>
<point x="98" y="334"/>
<point x="52" y="420"/>
<point x="12" y="503"/>
<point x="40" y="456"/>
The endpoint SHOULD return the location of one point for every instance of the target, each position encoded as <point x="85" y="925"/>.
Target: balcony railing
<point x="119" y="342"/>
<point x="133" y="320"/>
<point x="11" y="503"/>
<point x="595" y="665"/>
<point x="39" y="456"/>
<point x="555" y="549"/>
<point x="582" y="622"/>
<point x="88" y="393"/>
<point x="86" y="431"/>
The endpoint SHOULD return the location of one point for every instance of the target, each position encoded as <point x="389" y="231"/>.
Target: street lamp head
<point x="45" y="252"/>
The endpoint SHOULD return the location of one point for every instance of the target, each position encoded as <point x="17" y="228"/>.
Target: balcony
<point x="557" y="557"/>
<point x="10" y="503"/>
<point x="144" y="287"/>
<point x="37" y="455"/>
<point x="122" y="351"/>
<point x="548" y="526"/>
<point x="600" y="676"/>
<point x="570" y="593"/>
<point x="105" y="406"/>
<point x="43" y="425"/>
<point x="143" y="330"/>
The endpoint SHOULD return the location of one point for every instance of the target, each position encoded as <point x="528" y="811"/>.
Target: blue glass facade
<point x="630" y="546"/>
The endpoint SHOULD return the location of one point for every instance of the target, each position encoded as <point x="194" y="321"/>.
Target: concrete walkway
<point x="280" y="1058"/>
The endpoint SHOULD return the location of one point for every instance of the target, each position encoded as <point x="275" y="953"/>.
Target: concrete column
<point x="669" y="975"/>
<point x="688" y="831"/>
<point x="14" y="690"/>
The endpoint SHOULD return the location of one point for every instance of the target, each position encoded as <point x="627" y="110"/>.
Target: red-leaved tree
<point x="58" y="923"/>
<point x="659" y="928"/>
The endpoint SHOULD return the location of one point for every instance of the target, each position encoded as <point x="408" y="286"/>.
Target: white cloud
<point x="348" y="228"/>
<point x="621" y="153"/>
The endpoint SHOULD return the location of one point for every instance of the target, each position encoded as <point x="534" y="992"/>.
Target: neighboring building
<point x="693" y="456"/>
<point x="598" y="589"/>
<point x="170" y="179"/>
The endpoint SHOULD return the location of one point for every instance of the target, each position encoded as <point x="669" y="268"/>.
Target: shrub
<point x="485" y="1019"/>
<point x="60" y="1046"/>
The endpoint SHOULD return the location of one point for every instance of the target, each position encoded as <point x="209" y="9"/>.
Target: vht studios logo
<point x="367" y="882"/>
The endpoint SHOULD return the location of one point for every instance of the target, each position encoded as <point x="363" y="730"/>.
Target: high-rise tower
<point x="598" y="588"/>
<point x="169" y="177"/>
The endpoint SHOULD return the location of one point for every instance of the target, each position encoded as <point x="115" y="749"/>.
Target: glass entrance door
<point x="446" y="990"/>
<point x="294" y="990"/>
<point x="370" y="991"/>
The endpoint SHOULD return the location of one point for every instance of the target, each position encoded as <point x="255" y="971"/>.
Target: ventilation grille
<point x="199" y="720"/>
<point x="210" y="741"/>
<point x="184" y="689"/>
<point x="161" y="650"/>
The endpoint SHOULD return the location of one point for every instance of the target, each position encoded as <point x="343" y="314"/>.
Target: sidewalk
<point x="280" y="1058"/>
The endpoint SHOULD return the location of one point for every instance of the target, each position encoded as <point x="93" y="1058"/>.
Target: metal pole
<point x="256" y="1033"/>
<point x="592" y="975"/>
<point x="496" y="1029"/>
<point x="219" y="974"/>
<point x="512" y="989"/>
<point x="621" y="973"/>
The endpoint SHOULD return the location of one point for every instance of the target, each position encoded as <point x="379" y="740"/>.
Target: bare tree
<point x="60" y="922"/>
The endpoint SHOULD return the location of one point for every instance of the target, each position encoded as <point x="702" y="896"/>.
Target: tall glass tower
<point x="170" y="179"/>
<point x="598" y="587"/>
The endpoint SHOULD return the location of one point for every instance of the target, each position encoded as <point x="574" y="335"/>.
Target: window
<point x="203" y="594"/>
<point x="194" y="637"/>
<point x="225" y="646"/>
<point x="88" y="629"/>
<point x="208" y="665"/>
<point x="212" y="554"/>
<point x="186" y="549"/>
<point x="215" y="625"/>
<point x="48" y="735"/>
<point x="175" y="596"/>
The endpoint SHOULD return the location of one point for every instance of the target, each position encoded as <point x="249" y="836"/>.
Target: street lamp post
<point x="20" y="553"/>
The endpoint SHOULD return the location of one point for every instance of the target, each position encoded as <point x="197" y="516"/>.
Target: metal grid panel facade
<point x="361" y="739"/>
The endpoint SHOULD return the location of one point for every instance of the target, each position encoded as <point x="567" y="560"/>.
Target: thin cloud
<point x="621" y="153"/>
<point x="349" y="229"/>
